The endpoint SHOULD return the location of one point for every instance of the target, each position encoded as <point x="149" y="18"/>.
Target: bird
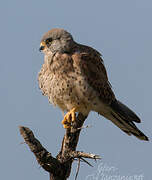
<point x="74" y="78"/>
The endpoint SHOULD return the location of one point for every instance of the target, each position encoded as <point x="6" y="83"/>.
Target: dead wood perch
<point x="59" y="168"/>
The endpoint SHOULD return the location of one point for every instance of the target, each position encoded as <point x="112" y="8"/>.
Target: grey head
<point x="56" y="40"/>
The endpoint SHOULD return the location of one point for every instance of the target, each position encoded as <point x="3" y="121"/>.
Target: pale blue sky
<point x="122" y="31"/>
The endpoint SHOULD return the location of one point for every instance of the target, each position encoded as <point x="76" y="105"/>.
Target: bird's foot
<point x="69" y="118"/>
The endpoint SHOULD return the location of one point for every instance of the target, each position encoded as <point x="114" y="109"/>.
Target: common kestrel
<point x="74" y="78"/>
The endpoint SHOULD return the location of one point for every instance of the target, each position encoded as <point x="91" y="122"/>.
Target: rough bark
<point x="59" y="168"/>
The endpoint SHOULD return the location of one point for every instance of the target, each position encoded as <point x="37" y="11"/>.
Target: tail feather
<point x="123" y="117"/>
<point x="124" y="111"/>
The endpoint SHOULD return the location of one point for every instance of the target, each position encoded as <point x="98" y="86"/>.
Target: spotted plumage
<point x="74" y="78"/>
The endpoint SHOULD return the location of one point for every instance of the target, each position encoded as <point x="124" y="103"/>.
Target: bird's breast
<point x="65" y="85"/>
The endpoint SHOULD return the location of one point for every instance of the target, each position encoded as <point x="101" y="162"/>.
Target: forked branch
<point x="59" y="168"/>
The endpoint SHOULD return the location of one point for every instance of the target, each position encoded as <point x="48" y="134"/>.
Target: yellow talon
<point x="68" y="118"/>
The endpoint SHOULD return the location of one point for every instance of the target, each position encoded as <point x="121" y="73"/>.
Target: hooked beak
<point x="42" y="46"/>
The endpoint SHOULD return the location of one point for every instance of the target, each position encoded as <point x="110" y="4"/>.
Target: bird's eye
<point x="48" y="40"/>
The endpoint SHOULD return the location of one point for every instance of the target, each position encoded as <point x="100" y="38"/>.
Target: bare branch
<point x="80" y="154"/>
<point x="78" y="168"/>
<point x="43" y="157"/>
<point x="59" y="168"/>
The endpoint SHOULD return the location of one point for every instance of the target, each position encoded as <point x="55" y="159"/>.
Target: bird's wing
<point x="93" y="69"/>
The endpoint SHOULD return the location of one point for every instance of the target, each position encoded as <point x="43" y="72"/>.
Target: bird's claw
<point x="69" y="118"/>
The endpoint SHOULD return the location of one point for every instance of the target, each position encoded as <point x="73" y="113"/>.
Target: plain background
<point x="122" y="31"/>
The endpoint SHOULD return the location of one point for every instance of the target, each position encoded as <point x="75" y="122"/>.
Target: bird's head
<point x="56" y="40"/>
